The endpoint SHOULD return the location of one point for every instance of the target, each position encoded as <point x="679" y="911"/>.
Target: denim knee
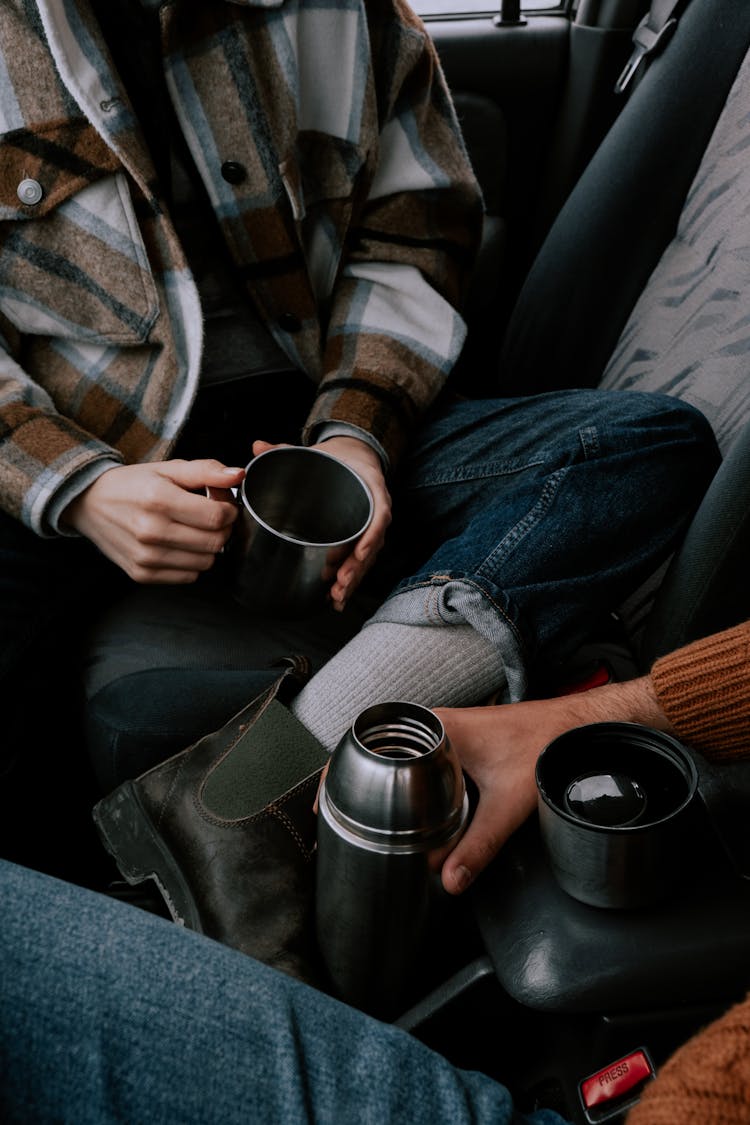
<point x="550" y="510"/>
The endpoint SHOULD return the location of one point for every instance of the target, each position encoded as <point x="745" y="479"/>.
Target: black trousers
<point x="227" y="417"/>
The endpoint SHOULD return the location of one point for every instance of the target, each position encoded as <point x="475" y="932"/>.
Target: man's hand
<point x="498" y="748"/>
<point x="155" y="520"/>
<point x="361" y="457"/>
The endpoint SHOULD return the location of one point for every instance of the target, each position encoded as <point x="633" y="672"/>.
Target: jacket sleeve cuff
<point x="704" y="690"/>
<point x="68" y="491"/>
<point x="325" y="430"/>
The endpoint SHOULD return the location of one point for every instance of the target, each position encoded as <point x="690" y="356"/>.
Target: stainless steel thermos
<point x="393" y="798"/>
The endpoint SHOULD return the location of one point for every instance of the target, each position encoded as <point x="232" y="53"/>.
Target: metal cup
<point x="302" y="510"/>
<point x="392" y="801"/>
<point x="614" y="805"/>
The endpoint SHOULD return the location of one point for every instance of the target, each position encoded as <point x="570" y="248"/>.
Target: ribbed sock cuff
<point x="433" y="665"/>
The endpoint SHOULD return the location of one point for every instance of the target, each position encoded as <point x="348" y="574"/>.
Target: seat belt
<point x="649" y="36"/>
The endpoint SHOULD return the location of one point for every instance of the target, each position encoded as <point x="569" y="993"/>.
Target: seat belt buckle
<point x="646" y="41"/>
<point x="612" y="1090"/>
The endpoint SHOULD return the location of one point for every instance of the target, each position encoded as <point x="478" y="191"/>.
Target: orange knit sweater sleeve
<point x="704" y="690"/>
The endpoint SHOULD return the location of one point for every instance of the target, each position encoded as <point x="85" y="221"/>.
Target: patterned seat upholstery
<point x="689" y="332"/>
<point x="656" y="235"/>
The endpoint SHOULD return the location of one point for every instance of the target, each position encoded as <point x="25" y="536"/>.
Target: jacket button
<point x="233" y="172"/>
<point x="288" y="322"/>
<point x="29" y="192"/>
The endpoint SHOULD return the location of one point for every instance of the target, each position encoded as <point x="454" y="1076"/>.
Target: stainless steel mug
<point x="302" y="511"/>
<point x="614" y="805"/>
<point x="393" y="798"/>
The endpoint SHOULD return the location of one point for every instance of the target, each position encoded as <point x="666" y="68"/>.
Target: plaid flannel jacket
<point x="352" y="214"/>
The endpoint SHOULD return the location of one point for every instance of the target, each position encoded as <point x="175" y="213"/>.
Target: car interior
<point x="592" y="126"/>
<point x="563" y="992"/>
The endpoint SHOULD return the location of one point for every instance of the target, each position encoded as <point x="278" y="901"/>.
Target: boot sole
<point x="126" y="830"/>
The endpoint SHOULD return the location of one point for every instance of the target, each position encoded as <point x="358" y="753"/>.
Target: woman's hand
<point x="155" y="520"/>
<point x="361" y="457"/>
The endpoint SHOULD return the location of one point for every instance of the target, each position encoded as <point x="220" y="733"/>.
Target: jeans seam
<point x="522" y="527"/>
<point x="488" y="471"/>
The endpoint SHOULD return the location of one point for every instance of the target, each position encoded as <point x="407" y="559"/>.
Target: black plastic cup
<point x="614" y="804"/>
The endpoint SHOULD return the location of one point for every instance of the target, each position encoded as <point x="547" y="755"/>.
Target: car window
<point x="468" y="7"/>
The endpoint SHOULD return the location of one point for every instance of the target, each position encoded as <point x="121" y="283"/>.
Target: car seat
<point x="563" y="989"/>
<point x="621" y="218"/>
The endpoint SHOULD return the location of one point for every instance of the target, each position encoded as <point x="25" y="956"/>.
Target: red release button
<point x="616" y="1080"/>
<point x="599" y="675"/>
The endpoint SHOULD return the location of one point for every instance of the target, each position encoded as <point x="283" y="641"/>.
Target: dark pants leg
<point x="48" y="590"/>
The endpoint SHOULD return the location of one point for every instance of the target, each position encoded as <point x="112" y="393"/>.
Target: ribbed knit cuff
<point x="704" y="690"/>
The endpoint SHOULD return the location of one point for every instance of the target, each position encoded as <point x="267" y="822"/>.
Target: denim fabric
<point x="111" y="1014"/>
<point x="534" y="518"/>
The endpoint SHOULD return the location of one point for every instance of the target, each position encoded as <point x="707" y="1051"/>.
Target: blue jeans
<point x="111" y="1014"/>
<point x="531" y="519"/>
<point x="536" y="517"/>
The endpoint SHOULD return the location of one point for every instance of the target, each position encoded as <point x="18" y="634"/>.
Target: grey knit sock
<point x="434" y="665"/>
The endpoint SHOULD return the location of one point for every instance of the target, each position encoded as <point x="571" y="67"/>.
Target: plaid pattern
<point x="354" y="229"/>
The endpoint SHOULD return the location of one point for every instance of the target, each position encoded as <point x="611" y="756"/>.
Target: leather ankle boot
<point x="226" y="829"/>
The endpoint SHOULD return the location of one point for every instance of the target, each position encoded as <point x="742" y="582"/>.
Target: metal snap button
<point x="233" y="172"/>
<point x="288" y="322"/>
<point x="29" y="192"/>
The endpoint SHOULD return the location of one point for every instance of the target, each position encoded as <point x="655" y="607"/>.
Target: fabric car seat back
<point x="689" y="335"/>
<point x="689" y="332"/>
<point x="625" y="209"/>
<point x="655" y="234"/>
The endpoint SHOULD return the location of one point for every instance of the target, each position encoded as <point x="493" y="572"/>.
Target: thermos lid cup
<point x="613" y="801"/>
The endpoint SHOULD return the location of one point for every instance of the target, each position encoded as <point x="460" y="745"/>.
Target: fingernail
<point x="462" y="877"/>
